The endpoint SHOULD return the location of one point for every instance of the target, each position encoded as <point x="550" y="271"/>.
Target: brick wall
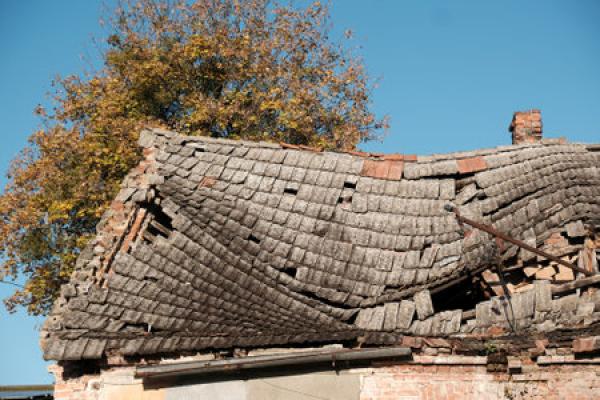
<point x="391" y="382"/>
<point x="466" y="382"/>
<point x="116" y="383"/>
<point x="80" y="388"/>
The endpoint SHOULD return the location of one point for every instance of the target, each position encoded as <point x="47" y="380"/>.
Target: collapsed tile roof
<point x="214" y="244"/>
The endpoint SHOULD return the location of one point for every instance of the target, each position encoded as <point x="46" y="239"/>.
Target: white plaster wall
<point x="315" y="386"/>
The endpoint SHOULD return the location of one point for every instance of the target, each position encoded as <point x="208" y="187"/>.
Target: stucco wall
<point x="120" y="384"/>
<point x="397" y="382"/>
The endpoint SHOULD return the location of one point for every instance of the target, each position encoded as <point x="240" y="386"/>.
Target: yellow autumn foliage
<point x="241" y="69"/>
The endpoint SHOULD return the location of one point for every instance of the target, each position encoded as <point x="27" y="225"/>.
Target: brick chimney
<point x="526" y="127"/>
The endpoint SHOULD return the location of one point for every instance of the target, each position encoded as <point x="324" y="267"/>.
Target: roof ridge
<point x="159" y="137"/>
<point x="155" y="137"/>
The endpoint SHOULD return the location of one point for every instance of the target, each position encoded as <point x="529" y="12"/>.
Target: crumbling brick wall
<point x="83" y="387"/>
<point x="436" y="379"/>
<point x="117" y="383"/>
<point x="466" y="382"/>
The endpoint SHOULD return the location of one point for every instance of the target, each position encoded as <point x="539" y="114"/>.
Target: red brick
<point x="526" y="127"/>
<point x="470" y="165"/>
<point x="496" y="331"/>
<point x="586" y="344"/>
<point x="289" y="146"/>
<point x="139" y="219"/>
<point x="374" y="168"/>
<point x="412" y="342"/>
<point x="311" y="148"/>
<point x="437" y="342"/>
<point x="383" y="169"/>
<point x="394" y="157"/>
<point x="117" y="206"/>
<point x="396" y="168"/>
<point x="208" y="181"/>
<point x="358" y="153"/>
<point x="557" y="240"/>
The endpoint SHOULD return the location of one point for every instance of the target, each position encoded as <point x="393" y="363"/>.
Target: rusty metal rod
<point x="519" y="243"/>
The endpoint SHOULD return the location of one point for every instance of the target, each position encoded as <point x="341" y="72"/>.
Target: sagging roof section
<point x="214" y="243"/>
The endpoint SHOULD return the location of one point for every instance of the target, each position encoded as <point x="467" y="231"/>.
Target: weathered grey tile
<point x="423" y="304"/>
<point x="406" y="312"/>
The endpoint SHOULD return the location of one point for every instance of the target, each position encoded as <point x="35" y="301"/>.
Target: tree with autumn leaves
<point x="238" y="69"/>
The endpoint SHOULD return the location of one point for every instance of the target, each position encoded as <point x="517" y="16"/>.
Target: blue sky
<point x="451" y="75"/>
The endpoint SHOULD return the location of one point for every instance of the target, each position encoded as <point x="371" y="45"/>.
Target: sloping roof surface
<point x="214" y="243"/>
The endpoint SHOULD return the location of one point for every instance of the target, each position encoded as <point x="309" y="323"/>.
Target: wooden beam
<point x="580" y="283"/>
<point x="519" y="243"/>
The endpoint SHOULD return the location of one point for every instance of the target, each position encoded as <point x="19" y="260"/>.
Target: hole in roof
<point x="323" y="300"/>
<point x="290" y="190"/>
<point x="345" y="200"/>
<point x="254" y="239"/>
<point x="151" y="279"/>
<point x="138" y="327"/>
<point x="352" y="318"/>
<point x="159" y="224"/>
<point x="576" y="241"/>
<point x="290" y="271"/>
<point x="464" y="295"/>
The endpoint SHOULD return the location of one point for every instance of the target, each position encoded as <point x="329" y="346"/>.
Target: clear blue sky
<point x="451" y="76"/>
